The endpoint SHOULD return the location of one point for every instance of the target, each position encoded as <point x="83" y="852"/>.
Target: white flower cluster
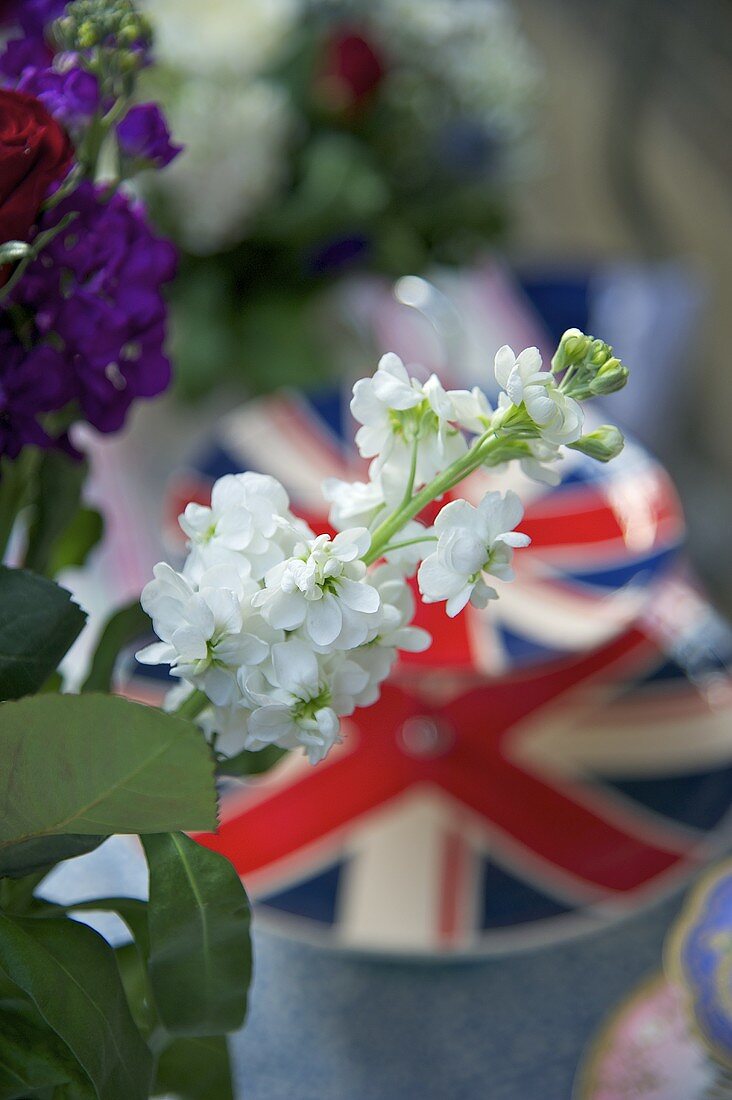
<point x="282" y="631"/>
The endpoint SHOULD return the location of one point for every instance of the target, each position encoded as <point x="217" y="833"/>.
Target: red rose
<point x="35" y="151"/>
<point x="351" y="71"/>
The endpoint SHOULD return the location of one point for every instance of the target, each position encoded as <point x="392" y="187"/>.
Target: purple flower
<point x="21" y="54"/>
<point x="35" y="15"/>
<point x="72" y="96"/>
<point x="143" y="134"/>
<point x="97" y="288"/>
<point x="32" y="383"/>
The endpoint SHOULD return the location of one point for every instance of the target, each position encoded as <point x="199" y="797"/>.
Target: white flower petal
<point x="324" y="619"/>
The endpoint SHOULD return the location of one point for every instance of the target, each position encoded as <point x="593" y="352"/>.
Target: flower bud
<point x="572" y="348"/>
<point x="604" y="444"/>
<point x="599" y="353"/>
<point x="611" y="377"/>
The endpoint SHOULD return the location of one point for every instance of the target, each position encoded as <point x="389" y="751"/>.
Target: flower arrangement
<point x="347" y="137"/>
<point x="82" y="330"/>
<point x="276" y="631"/>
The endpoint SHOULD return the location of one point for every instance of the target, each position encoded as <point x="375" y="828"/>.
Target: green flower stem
<point x="475" y="457"/>
<point x="408" y="542"/>
<point x="38" y="245"/>
<point x="192" y="706"/>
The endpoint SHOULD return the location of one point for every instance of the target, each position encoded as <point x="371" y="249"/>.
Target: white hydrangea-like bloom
<point x="324" y="590"/>
<point x="471" y="541"/>
<point x="228" y="37"/>
<point x="558" y="417"/>
<point x="234" y="160"/>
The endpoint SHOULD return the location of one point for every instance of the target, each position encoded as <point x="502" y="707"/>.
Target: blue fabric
<point x="326" y="1026"/>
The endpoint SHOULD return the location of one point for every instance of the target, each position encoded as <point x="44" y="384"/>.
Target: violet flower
<point x="97" y="289"/>
<point x="143" y="135"/>
<point x="32" y="383"/>
<point x="72" y="96"/>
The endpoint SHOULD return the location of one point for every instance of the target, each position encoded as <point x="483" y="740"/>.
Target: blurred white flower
<point x="352" y="503"/>
<point x="472" y="541"/>
<point x="237" y="37"/>
<point x="235" y="139"/>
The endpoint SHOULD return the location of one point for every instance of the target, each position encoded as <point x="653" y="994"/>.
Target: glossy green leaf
<point x="39" y="623"/>
<point x="99" y="764"/>
<point x="70" y="974"/>
<point x="126" y="626"/>
<point x="200" y="951"/>
<point x="195" y="1069"/>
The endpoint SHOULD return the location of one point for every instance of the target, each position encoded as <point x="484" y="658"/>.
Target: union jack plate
<point x="551" y="763"/>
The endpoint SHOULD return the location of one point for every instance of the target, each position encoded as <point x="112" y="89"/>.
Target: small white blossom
<point x="471" y="541"/>
<point x="248" y="523"/>
<point x="204" y="636"/>
<point x="324" y="590"/>
<point x="352" y="503"/>
<point x="297" y="700"/>
<point x="472" y="409"/>
<point x="374" y="401"/>
<point x="558" y="417"/>
<point x="394" y="410"/>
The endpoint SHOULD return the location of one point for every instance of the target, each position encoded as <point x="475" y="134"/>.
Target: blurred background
<point x="635" y="119"/>
<point x="573" y="154"/>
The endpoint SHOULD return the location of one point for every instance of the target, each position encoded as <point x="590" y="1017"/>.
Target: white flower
<point x="472" y="541"/>
<point x="324" y="590"/>
<point x="296" y="699"/>
<point x="204" y="636"/>
<point x="472" y="409"/>
<point x="558" y="417"/>
<point x="394" y="410"/>
<point x="539" y="465"/>
<point x="352" y="503"/>
<point x="375" y="399"/>
<point x="248" y="523"/>
<point x="236" y="36"/>
<point x="245" y="130"/>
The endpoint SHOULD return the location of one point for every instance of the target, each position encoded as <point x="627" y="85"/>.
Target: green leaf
<point x="248" y="762"/>
<point x="195" y="1069"/>
<point x="127" y="625"/>
<point x="70" y="974"/>
<point x="133" y="912"/>
<point x="200" y="951"/>
<point x="99" y="764"/>
<point x="78" y="540"/>
<point x="39" y="623"/>
<point x="33" y="1058"/>
<point x="28" y="856"/>
<point x="60" y="480"/>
